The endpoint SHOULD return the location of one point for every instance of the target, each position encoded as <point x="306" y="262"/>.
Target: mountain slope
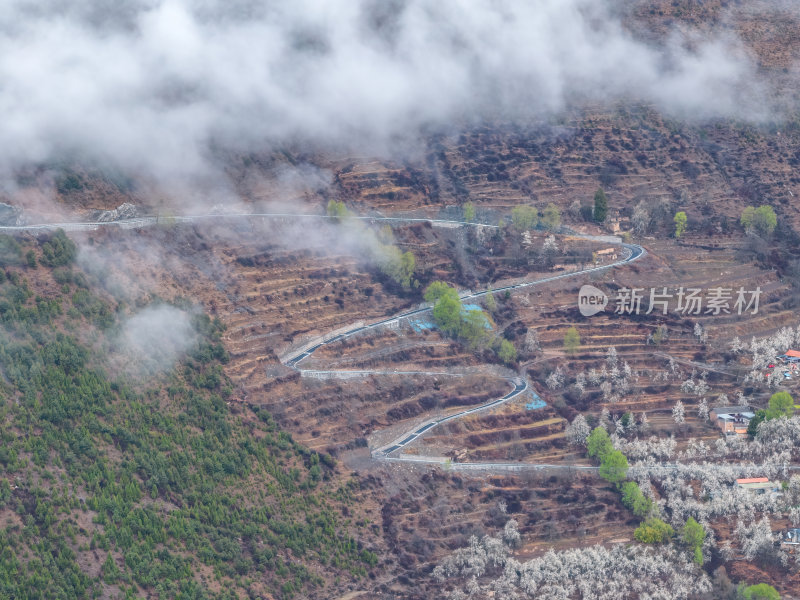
<point x="115" y="485"/>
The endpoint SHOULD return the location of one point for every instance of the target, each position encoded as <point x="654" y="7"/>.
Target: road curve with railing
<point x="519" y="385"/>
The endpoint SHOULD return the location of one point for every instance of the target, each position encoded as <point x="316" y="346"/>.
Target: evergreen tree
<point x="600" y="206"/>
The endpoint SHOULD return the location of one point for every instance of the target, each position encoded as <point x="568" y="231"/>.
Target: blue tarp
<point x="536" y="402"/>
<point x="475" y="307"/>
<point x="420" y="325"/>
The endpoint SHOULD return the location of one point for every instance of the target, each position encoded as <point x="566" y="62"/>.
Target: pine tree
<point x="600" y="206"/>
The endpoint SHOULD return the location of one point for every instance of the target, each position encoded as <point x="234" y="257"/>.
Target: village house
<point x="606" y="252"/>
<point x="732" y="420"/>
<point x="758" y="485"/>
<point x="791" y="538"/>
<point x="791" y="356"/>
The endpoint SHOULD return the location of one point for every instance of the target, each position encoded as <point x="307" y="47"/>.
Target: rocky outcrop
<point x="10" y="215"/>
<point x="123" y="211"/>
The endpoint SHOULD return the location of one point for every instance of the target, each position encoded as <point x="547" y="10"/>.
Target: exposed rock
<point x="10" y="215"/>
<point x="124" y="211"/>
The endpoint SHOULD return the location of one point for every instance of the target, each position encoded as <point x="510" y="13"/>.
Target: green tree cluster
<point x="762" y="220"/>
<point x="174" y="438"/>
<point x="398" y="266"/>
<point x="635" y="500"/>
<point x="598" y="444"/>
<point x="507" y="352"/>
<point x="524" y="217"/>
<point x="551" y="217"/>
<point x="59" y="250"/>
<point x="693" y="535"/>
<point x="469" y="325"/>
<point x="781" y="404"/>
<point x="614" y="467"/>
<point x="760" y="591"/>
<point x="654" y="531"/>
<point x="337" y="208"/>
<point x="10" y="251"/>
<point x="30" y="259"/>
<point x="447" y="308"/>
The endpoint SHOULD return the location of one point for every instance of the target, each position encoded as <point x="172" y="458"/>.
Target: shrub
<point x="469" y="212"/>
<point x="693" y="536"/>
<point x="761" y="591"/>
<point x="680" y="223"/>
<point x="398" y="266"/>
<point x="30" y="259"/>
<point x="654" y="531"/>
<point x="551" y="217"/>
<point x="524" y="217"/>
<point x="761" y="220"/>
<point x="59" y="250"/>
<point x="10" y="251"/>
<point x="572" y="340"/>
<point x="633" y="499"/>
<point x="337" y="209"/>
<point x="447" y="313"/>
<point x="507" y="352"/>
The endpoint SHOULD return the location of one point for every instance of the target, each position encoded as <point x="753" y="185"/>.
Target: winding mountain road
<point x="632" y="252"/>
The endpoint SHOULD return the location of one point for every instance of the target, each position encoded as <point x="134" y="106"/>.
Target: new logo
<point x="591" y="300"/>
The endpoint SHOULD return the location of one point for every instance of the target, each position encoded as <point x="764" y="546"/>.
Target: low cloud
<point x="169" y="88"/>
<point x="153" y="340"/>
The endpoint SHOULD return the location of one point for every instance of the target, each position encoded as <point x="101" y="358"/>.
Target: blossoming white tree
<point x="702" y="410"/>
<point x="486" y="569"/>
<point x="679" y="413"/>
<point x="577" y="431"/>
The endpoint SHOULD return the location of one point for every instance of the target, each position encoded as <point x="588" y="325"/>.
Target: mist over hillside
<point x="168" y="89"/>
<point x="294" y="299"/>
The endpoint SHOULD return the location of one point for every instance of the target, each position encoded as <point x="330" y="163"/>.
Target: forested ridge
<point x="117" y="487"/>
